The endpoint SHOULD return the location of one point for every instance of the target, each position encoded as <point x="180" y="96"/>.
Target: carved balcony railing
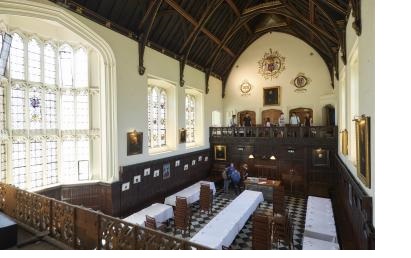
<point x="277" y="132"/>
<point x="81" y="228"/>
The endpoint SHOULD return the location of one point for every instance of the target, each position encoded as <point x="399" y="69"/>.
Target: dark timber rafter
<point x="211" y="8"/>
<point x="336" y="6"/>
<point x="189" y="18"/>
<point x="238" y="14"/>
<point x="144" y="36"/>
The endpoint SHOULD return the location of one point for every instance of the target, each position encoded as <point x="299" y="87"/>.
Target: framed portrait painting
<point x="220" y="152"/>
<point x="166" y="171"/>
<point x="183" y="135"/>
<point x="271" y="96"/>
<point x="134" y="143"/>
<point x="321" y="157"/>
<point x="362" y="126"/>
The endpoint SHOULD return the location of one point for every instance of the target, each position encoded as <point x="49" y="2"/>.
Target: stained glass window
<point x="53" y="95"/>
<point x="34" y="61"/>
<point x="36" y="117"/>
<point x="190" y="117"/>
<point x="19" y="164"/>
<point x="36" y="163"/>
<point x="157" y="115"/>
<point x="17" y="57"/>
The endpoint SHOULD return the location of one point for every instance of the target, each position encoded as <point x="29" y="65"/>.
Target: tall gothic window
<point x="157" y="117"/>
<point x="48" y="122"/>
<point x="190" y="117"/>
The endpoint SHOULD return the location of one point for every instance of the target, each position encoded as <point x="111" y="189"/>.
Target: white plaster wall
<point x="365" y="45"/>
<point x="297" y="59"/>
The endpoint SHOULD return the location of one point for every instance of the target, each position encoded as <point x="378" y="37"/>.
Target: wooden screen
<point x="273" y="114"/>
<point x="300" y="112"/>
<point x="241" y="115"/>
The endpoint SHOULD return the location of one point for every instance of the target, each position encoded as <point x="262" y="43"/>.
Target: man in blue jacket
<point x="235" y="180"/>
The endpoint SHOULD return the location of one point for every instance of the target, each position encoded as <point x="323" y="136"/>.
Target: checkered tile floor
<point x="296" y="207"/>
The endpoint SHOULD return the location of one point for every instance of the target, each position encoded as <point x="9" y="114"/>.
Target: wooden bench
<point x="8" y="232"/>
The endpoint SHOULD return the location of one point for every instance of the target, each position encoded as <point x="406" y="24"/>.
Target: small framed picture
<point x="185" y="167"/>
<point x="156" y="173"/>
<point x="183" y="135"/>
<point x="200" y="158"/>
<point x="220" y="152"/>
<point x="193" y="162"/>
<point x="177" y="163"/>
<point x="166" y="171"/>
<point x="146" y="171"/>
<point x="321" y="157"/>
<point x="206" y="158"/>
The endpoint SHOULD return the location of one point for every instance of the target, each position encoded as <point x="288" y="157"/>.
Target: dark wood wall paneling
<point x="293" y="164"/>
<point x="97" y="196"/>
<point x="353" y="211"/>
<point x="155" y="189"/>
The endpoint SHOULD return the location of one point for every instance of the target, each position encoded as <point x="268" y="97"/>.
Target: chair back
<point x="182" y="213"/>
<point x="206" y="198"/>
<point x="261" y="232"/>
<point x="279" y="201"/>
<point x="150" y="222"/>
<point x="283" y="230"/>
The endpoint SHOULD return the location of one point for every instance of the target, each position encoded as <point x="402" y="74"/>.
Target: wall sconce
<point x="272" y="157"/>
<point x="360" y="119"/>
<point x="251" y="156"/>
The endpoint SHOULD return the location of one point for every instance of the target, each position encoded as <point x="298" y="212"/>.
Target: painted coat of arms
<point x="300" y="82"/>
<point x="271" y="65"/>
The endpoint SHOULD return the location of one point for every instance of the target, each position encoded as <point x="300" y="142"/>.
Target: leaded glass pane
<point x="83" y="159"/>
<point x="18" y="157"/>
<point x="36" y="163"/>
<point x="34" y="61"/>
<point x="17" y="58"/>
<point x="50" y="109"/>
<point x="82" y="120"/>
<point x="68" y="152"/>
<point x="190" y="117"/>
<point x="3" y="162"/>
<point x="51" y="150"/>
<point x="17" y="108"/>
<point x="49" y="64"/>
<point x="67" y="112"/>
<point x="66" y="66"/>
<point x="81" y="68"/>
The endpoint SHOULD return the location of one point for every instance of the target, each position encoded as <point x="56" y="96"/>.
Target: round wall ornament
<point x="271" y="65"/>
<point x="245" y="88"/>
<point x="300" y="82"/>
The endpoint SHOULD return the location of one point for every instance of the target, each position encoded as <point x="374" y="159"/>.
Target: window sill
<point x="192" y="145"/>
<point x="160" y="150"/>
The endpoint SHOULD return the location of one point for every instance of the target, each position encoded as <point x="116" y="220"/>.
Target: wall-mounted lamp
<point x="360" y="119"/>
<point x="272" y="157"/>
<point x="251" y="156"/>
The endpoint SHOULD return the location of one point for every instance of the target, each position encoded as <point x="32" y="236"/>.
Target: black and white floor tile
<point x="296" y="207"/>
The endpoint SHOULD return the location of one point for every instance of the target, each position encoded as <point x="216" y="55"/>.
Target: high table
<point x="161" y="212"/>
<point x="262" y="185"/>
<point x="225" y="226"/>
<point x="192" y="193"/>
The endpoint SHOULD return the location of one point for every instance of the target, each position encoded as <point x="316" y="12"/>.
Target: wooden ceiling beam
<point x="335" y="6"/>
<point x="150" y="7"/>
<point x="189" y="18"/>
<point x="238" y="14"/>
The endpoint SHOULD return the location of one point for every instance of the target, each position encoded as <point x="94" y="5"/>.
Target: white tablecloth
<point x="316" y="244"/>
<point x="225" y="226"/>
<point x="319" y="221"/>
<point x="161" y="212"/>
<point x="192" y="193"/>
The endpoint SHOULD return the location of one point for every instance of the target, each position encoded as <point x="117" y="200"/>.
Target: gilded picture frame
<point x="271" y="96"/>
<point x="220" y="152"/>
<point x="134" y="143"/>
<point x="362" y="126"/>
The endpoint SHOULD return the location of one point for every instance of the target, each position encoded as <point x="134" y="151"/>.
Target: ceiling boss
<point x="271" y="65"/>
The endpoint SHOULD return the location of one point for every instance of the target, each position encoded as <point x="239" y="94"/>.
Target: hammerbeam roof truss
<point x="211" y="34"/>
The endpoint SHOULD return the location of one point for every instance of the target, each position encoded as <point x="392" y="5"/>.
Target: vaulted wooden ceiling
<point x="211" y="34"/>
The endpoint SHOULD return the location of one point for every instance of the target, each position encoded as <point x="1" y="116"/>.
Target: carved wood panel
<point x="63" y="223"/>
<point x="273" y="114"/>
<point x="33" y="210"/>
<point x="116" y="234"/>
<point x="241" y="115"/>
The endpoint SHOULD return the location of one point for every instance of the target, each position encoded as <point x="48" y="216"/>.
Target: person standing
<point x="235" y="180"/>
<point x="294" y="119"/>
<point x="281" y="120"/>
<point x="247" y="123"/>
<point x="308" y="120"/>
<point x="226" y="179"/>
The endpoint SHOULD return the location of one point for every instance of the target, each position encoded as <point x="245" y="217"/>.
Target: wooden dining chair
<point x="279" y="206"/>
<point x="261" y="232"/>
<point x="206" y="198"/>
<point x="152" y="223"/>
<point x="283" y="230"/>
<point x="182" y="216"/>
